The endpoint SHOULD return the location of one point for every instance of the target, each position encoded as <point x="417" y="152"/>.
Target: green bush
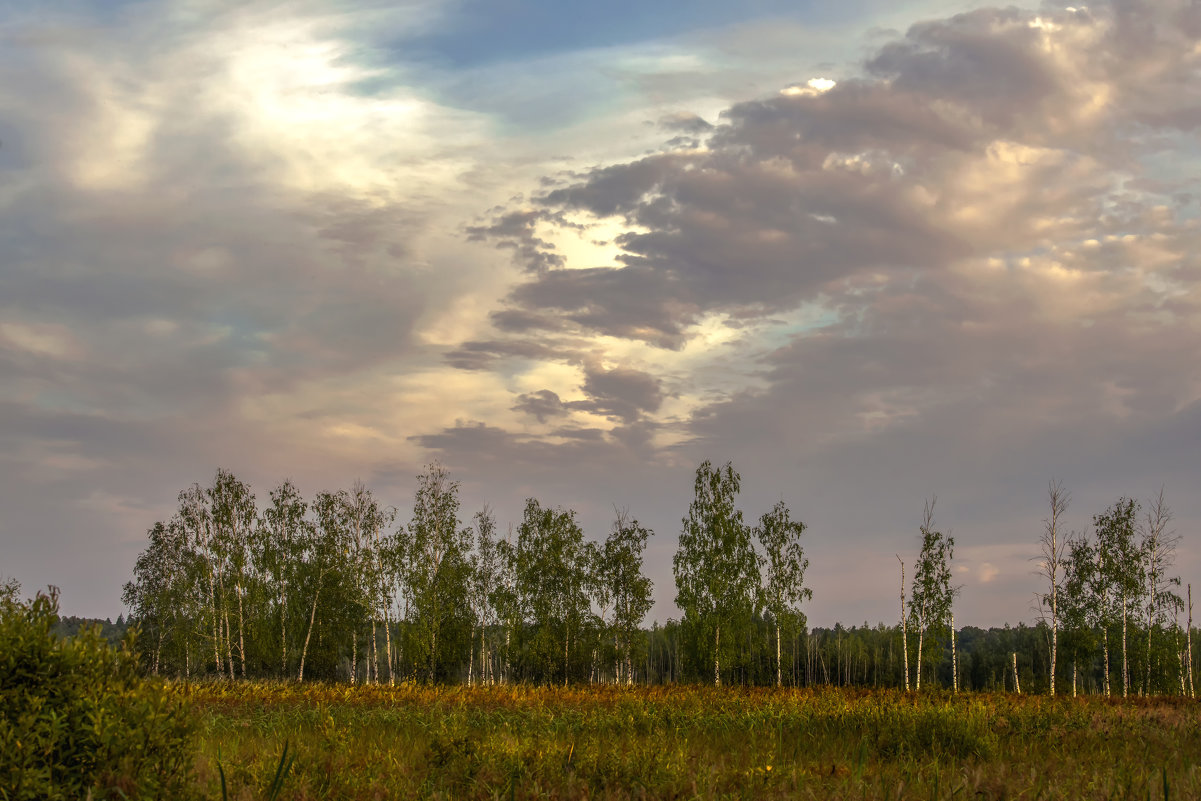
<point x="76" y="718"/>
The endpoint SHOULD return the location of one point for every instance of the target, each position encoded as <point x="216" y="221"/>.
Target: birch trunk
<point x="904" y="626"/>
<point x="388" y="645"/>
<point x="483" y="659"/>
<point x="229" y="651"/>
<point x="1150" y="623"/>
<point x="312" y="618"/>
<point x="629" y="665"/>
<point x="1189" y="640"/>
<point x="717" y="656"/>
<point x="508" y="662"/>
<point x="1054" y="639"/>
<point x="283" y="634"/>
<point x="158" y="650"/>
<point x="374" y="651"/>
<point x="241" y="640"/>
<point x="1105" y="651"/>
<point x="1125" y="664"/>
<point x="1017" y="686"/>
<point x="1073" y="678"/>
<point x="921" y="636"/>
<point x="433" y="652"/>
<point x="954" y="658"/>
<point x="471" y="658"/>
<point x="354" y="657"/>
<point x="779" y="677"/>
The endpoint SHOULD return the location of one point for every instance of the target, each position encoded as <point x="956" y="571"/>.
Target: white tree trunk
<point x="717" y="656"/>
<point x="312" y="618"/>
<point x="471" y="658"/>
<point x="779" y="676"/>
<point x="921" y="636"/>
<point x="1189" y="640"/>
<point x="388" y="646"/>
<point x="954" y="657"/>
<point x="1017" y="685"/>
<point x="229" y="653"/>
<point x="904" y="627"/>
<point x="1105" y="651"/>
<point x="1073" y="678"/>
<point x="241" y="639"/>
<point x="1125" y="664"/>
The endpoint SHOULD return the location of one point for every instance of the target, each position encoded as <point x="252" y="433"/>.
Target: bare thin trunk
<point x="921" y="636"/>
<point x="1150" y="623"/>
<point x="1105" y="650"/>
<point x="904" y="625"/>
<point x="1189" y="640"/>
<point x="1017" y="686"/>
<point x="241" y="639"/>
<point x="388" y="645"/>
<point x="158" y="650"/>
<point x="283" y="634"/>
<point x="312" y="618"/>
<point x="433" y="651"/>
<point x="1125" y="664"/>
<point x="354" y="657"/>
<point x="229" y="653"/>
<point x="374" y="652"/>
<point x="954" y="657"/>
<point x="717" y="656"/>
<point x="779" y="677"/>
<point x="483" y="657"/>
<point x="1073" y="678"/>
<point x="471" y="658"/>
<point x="508" y="662"/>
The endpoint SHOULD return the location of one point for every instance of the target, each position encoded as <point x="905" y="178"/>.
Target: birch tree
<point x="904" y="625"/>
<point x="1081" y="607"/>
<point x="322" y="548"/>
<point x="715" y="566"/>
<point x="1119" y="572"/>
<point x="198" y="523"/>
<point x="504" y="597"/>
<point x="438" y="548"/>
<point x="233" y="512"/>
<point x="1158" y="549"/>
<point x="280" y="534"/>
<point x="784" y="587"/>
<point x="629" y="589"/>
<point x="550" y="577"/>
<point x="1053" y="544"/>
<point x="931" y="596"/>
<point x="483" y="571"/>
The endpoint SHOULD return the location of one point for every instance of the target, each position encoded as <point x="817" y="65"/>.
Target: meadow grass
<point x="687" y="742"/>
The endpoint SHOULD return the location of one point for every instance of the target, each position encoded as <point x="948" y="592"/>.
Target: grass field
<point x="688" y="742"/>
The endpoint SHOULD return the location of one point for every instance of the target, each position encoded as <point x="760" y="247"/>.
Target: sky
<point x="871" y="252"/>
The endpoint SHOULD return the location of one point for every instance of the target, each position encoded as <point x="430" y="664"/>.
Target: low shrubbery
<point x="77" y="720"/>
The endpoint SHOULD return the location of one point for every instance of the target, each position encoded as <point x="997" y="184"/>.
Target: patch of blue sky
<point x="484" y="32"/>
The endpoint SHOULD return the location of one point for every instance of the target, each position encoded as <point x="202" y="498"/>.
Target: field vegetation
<point x="688" y="742"/>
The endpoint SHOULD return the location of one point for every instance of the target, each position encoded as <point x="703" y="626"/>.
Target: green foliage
<point x="715" y="566"/>
<point x="76" y="718"/>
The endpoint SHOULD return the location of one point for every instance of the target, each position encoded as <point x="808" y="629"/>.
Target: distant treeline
<point x="334" y="588"/>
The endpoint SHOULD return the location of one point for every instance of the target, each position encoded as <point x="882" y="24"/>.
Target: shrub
<point x="76" y="718"/>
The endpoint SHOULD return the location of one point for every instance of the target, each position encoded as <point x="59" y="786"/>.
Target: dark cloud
<point x="542" y="405"/>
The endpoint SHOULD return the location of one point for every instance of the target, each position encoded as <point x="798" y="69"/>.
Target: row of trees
<point x="335" y="587"/>
<point x="1110" y="579"/>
